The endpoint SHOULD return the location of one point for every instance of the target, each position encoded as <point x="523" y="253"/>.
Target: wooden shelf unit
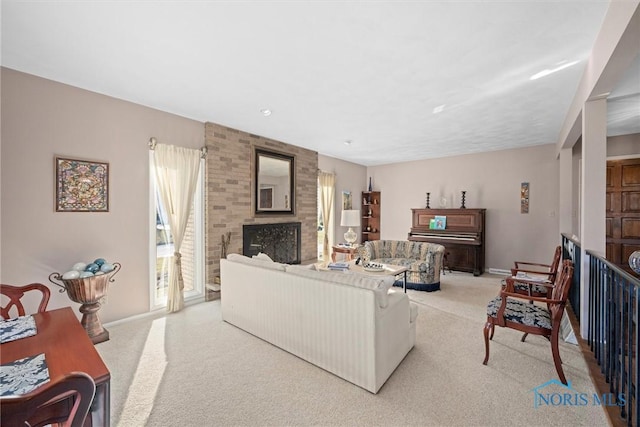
<point x="370" y="211"/>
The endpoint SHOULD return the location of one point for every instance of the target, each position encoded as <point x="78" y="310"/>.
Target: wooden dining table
<point x="67" y="348"/>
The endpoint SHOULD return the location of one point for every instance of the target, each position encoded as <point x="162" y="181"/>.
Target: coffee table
<point x="389" y="270"/>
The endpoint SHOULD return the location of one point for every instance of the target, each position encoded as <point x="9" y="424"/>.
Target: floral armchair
<point x="423" y="259"/>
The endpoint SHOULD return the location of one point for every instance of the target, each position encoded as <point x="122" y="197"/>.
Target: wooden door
<point x="623" y="210"/>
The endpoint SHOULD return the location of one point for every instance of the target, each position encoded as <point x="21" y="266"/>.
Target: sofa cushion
<point x="379" y="285"/>
<point x="521" y="312"/>
<point x="262" y="256"/>
<point x="256" y="262"/>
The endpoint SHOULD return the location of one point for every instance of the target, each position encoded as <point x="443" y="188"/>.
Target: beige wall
<point x="492" y="181"/>
<point x="349" y="177"/>
<point x="624" y="145"/>
<point x="41" y="119"/>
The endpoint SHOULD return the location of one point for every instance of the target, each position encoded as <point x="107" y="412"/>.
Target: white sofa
<point x="351" y="325"/>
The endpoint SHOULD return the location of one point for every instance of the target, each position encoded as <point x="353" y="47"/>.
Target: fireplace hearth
<point x="281" y="241"/>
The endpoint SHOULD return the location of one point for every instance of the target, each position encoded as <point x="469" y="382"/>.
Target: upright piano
<point x="462" y="237"/>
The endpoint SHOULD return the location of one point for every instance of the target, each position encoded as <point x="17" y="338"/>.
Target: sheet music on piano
<point x="463" y="237"/>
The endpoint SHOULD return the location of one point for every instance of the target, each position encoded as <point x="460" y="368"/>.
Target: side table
<point x="349" y="251"/>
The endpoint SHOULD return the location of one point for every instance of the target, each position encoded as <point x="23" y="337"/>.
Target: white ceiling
<point x="368" y="72"/>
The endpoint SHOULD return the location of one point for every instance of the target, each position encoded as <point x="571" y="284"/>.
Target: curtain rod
<point x="153" y="142"/>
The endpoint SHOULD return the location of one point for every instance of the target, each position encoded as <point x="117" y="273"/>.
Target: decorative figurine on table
<point x="462" y="206"/>
<point x="428" y="195"/>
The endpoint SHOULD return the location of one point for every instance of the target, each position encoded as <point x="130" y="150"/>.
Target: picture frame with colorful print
<point x="81" y="185"/>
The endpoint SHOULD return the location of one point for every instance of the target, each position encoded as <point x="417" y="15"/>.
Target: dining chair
<point x="516" y="311"/>
<point x="45" y="405"/>
<point x="536" y="272"/>
<point x="14" y="295"/>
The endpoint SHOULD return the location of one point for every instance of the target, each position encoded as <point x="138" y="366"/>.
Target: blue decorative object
<point x="93" y="267"/>
<point x="99" y="261"/>
<point x="634" y="261"/>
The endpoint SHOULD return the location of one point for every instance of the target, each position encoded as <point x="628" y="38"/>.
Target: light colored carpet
<point x="193" y="369"/>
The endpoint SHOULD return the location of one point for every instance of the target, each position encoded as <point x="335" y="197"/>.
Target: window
<point x="162" y="249"/>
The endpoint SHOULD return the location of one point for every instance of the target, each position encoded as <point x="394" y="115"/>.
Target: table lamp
<point x="350" y="218"/>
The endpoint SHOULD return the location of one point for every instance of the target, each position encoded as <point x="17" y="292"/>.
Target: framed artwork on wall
<point x="81" y="185"/>
<point x="347" y="203"/>
<point x="524" y="197"/>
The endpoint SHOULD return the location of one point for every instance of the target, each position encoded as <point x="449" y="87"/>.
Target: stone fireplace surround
<point x="229" y="190"/>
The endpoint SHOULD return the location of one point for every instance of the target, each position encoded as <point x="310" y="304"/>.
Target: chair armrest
<point x="519" y="263"/>
<point x="515" y="271"/>
<point x="530" y="276"/>
<point x="503" y="303"/>
<point x="506" y="295"/>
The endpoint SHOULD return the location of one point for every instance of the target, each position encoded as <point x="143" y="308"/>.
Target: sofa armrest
<point x="433" y="258"/>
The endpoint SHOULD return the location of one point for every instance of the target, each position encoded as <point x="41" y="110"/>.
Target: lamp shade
<point x="350" y="218"/>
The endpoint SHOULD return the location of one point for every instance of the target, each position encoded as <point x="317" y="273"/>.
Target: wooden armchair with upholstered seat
<point x="14" y="294"/>
<point x="49" y="404"/>
<point x="542" y="317"/>
<point x="534" y="273"/>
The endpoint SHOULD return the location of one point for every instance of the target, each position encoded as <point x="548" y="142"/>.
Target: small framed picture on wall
<point x="81" y="185"/>
<point x="524" y="197"/>
<point x="347" y="203"/>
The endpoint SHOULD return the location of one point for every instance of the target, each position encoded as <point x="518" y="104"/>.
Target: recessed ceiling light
<point x="265" y="112"/>
<point x="347" y="142"/>
<point x="546" y="72"/>
<point x="438" y="109"/>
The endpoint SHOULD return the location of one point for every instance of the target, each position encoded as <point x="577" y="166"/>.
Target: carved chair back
<point x="41" y="406"/>
<point x="13" y="296"/>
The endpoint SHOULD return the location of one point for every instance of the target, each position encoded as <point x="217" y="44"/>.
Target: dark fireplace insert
<point x="280" y="241"/>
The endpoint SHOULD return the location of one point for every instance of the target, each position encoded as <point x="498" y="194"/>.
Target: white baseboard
<point x="156" y="312"/>
<point x="500" y="271"/>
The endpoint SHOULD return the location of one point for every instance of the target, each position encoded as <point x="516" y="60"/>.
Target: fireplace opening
<point x="280" y="241"/>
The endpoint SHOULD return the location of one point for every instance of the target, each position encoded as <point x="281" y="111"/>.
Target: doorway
<point x="622" y="211"/>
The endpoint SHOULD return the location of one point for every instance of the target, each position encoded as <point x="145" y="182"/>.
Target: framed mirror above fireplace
<point x="274" y="191"/>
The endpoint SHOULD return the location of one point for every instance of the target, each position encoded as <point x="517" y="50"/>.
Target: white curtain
<point x="327" y="183"/>
<point x="176" y="170"/>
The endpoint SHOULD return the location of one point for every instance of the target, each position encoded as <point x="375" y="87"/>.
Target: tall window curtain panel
<point x="327" y="190"/>
<point x="176" y="170"/>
